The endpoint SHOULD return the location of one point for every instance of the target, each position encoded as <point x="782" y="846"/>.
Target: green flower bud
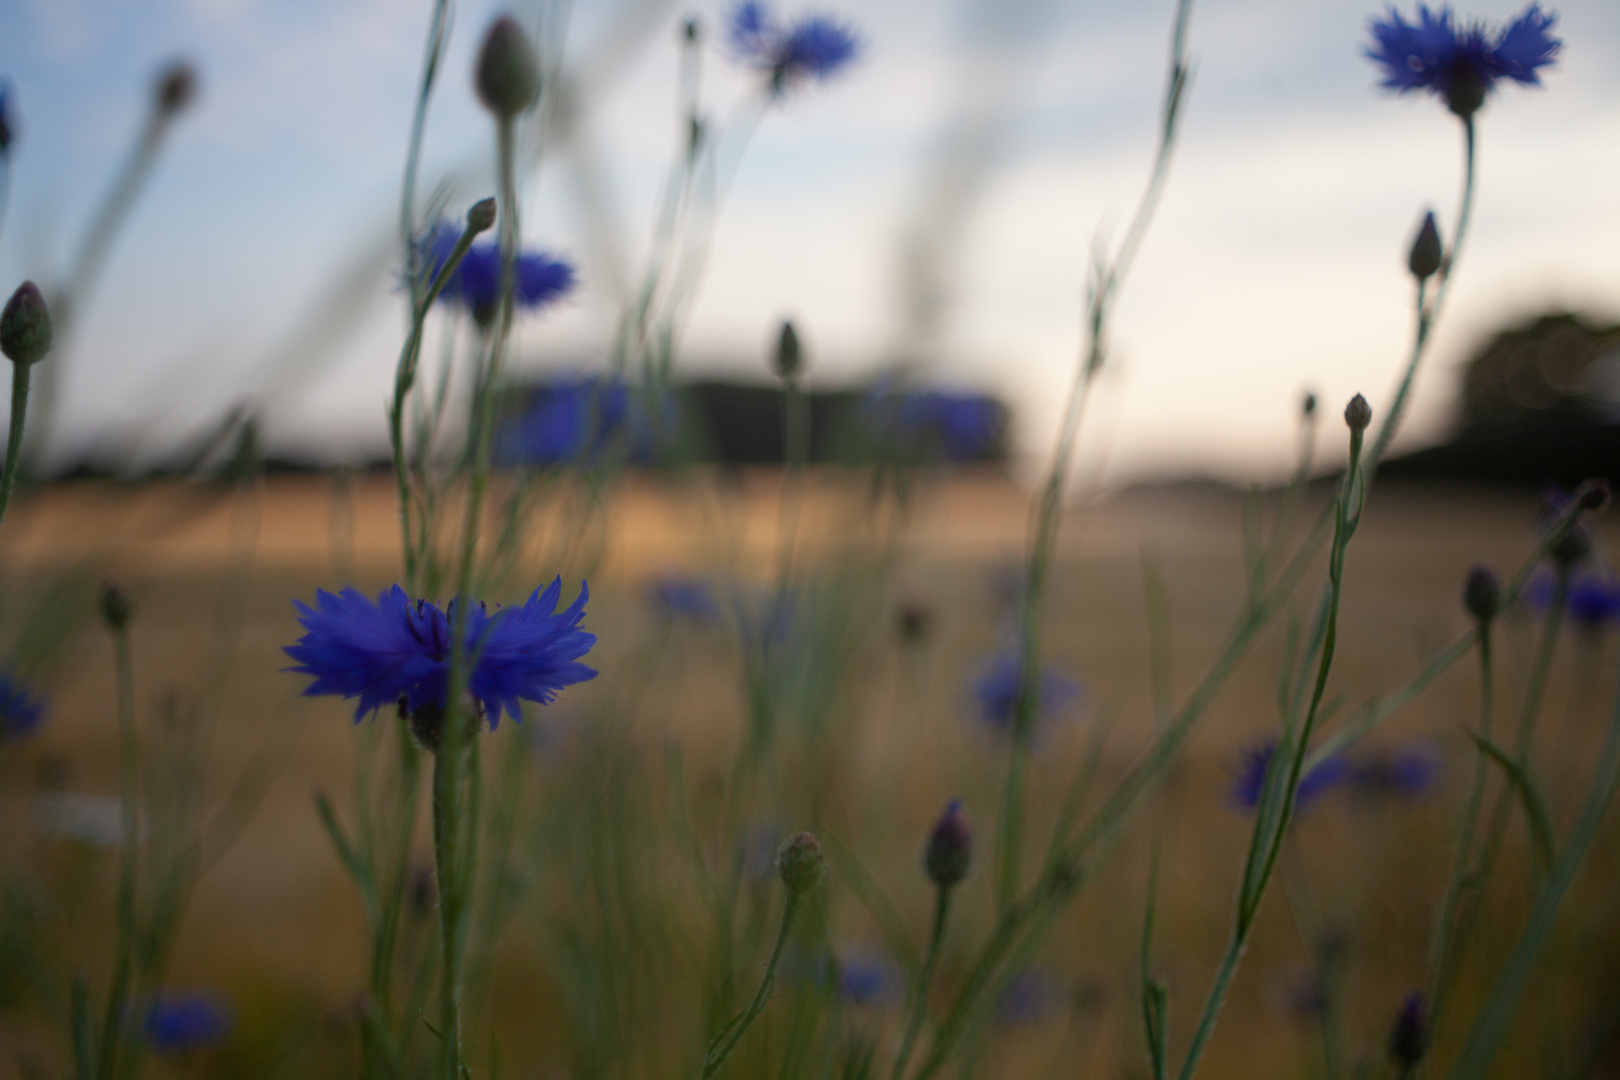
<point x="800" y="862"/>
<point x="1358" y="414"/>
<point x="175" y="87"/>
<point x="949" y="853"/>
<point x="789" y="359"/>
<point x="115" y="607"/>
<point x="25" y="326"/>
<point x="507" y="76"/>
<point x="482" y="215"/>
<point x="1424" y="258"/>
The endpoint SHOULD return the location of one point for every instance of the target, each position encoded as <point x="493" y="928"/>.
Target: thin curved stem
<point x="725" y="1042"/>
<point x="925" y="978"/>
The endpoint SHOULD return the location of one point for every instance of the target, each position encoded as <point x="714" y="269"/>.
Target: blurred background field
<point x="276" y="926"/>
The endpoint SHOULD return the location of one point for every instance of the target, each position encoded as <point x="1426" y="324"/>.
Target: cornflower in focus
<point x="176" y="1023"/>
<point x="20" y="711"/>
<point x="1461" y="63"/>
<point x="816" y="46"/>
<point x="397" y="650"/>
<point x="1250" y="778"/>
<point x="537" y="278"/>
<point x="996" y="691"/>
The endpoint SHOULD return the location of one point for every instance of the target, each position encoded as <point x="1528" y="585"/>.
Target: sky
<point x="260" y="265"/>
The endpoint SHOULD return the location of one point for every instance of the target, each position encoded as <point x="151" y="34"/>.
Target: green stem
<point x="795" y="453"/>
<point x="19" y="413"/>
<point x="1440" y="953"/>
<point x="446" y="823"/>
<point x="129" y="780"/>
<point x="1271" y="821"/>
<point x="1501" y="813"/>
<point x="919" y="999"/>
<point x="733" y="1032"/>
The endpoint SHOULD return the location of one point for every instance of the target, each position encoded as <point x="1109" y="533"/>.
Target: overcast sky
<point x="1276" y="263"/>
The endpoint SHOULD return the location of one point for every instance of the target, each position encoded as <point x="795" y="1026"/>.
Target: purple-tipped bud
<point x="1482" y="594"/>
<point x="508" y="73"/>
<point x="175" y="87"/>
<point x="1358" y="414"/>
<point x="1409" y="1038"/>
<point x="1424" y="259"/>
<point x="789" y="359"/>
<point x="949" y="853"/>
<point x="115" y="607"/>
<point x="482" y="215"/>
<point x="25" y="326"/>
<point x="800" y="862"/>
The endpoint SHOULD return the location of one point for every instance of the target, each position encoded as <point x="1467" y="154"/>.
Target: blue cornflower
<point x="20" y="711"/>
<point x="870" y="979"/>
<point x="1030" y="997"/>
<point x="569" y="420"/>
<point x="816" y="46"/>
<point x="678" y="597"/>
<point x="1250" y="778"/>
<point x="179" y="1022"/>
<point x="958" y="426"/>
<point x="1410" y="773"/>
<point x="996" y="691"/>
<point x="1594" y="600"/>
<point x="1461" y="63"/>
<point x="537" y="278"/>
<point x="397" y="650"/>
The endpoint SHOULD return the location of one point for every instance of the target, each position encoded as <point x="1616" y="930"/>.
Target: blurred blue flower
<point x="996" y="691"/>
<point x="564" y="421"/>
<point x="400" y="648"/>
<point x="1460" y="63"/>
<point x="870" y="979"/>
<point x="179" y="1022"/>
<point x="1409" y="773"/>
<point x="1594" y="600"/>
<point x="576" y="419"/>
<point x="20" y="711"/>
<point x="1030" y="997"/>
<point x="816" y="46"/>
<point x="1250" y="777"/>
<point x="679" y="597"/>
<point x="538" y="279"/>
<point x="955" y="425"/>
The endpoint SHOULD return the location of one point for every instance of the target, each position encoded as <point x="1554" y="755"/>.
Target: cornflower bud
<point x="25" y="326"/>
<point x="1307" y="406"/>
<point x="913" y="621"/>
<point x="507" y="76"/>
<point x="115" y="607"/>
<point x="1358" y="414"/>
<point x="1409" y="1038"/>
<point x="1426" y="252"/>
<point x="949" y="853"/>
<point x="789" y="360"/>
<point x="1594" y="495"/>
<point x="481" y="216"/>
<point x="1482" y="594"/>
<point x="175" y="87"/>
<point x="1571" y="548"/>
<point x="800" y="862"/>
